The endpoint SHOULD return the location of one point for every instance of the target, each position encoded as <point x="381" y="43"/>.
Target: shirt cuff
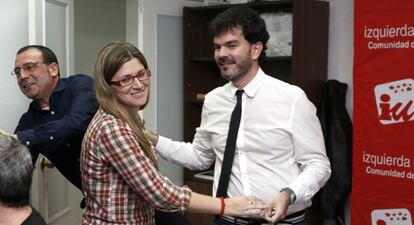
<point x="162" y="143"/>
<point x="185" y="198"/>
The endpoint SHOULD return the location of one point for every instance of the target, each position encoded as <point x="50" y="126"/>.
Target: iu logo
<point x="395" y="101"/>
<point x="391" y="217"/>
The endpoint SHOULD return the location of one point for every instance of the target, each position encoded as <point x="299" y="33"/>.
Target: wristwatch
<point x="292" y="195"/>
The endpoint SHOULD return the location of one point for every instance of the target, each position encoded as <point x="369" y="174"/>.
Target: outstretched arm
<point x="235" y="206"/>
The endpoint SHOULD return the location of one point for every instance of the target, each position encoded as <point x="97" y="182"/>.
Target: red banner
<point x="383" y="148"/>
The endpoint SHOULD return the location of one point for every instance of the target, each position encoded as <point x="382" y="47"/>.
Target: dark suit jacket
<point x="337" y="131"/>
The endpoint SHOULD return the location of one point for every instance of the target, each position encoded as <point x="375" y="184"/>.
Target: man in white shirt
<point x="280" y="153"/>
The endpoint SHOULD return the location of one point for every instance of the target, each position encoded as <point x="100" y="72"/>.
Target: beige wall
<point x="97" y="22"/>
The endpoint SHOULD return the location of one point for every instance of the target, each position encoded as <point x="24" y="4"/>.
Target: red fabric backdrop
<point x="383" y="148"/>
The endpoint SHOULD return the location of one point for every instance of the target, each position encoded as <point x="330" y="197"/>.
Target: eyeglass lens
<point x="28" y="67"/>
<point x="128" y="80"/>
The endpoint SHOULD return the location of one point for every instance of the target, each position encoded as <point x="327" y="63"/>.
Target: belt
<point x="293" y="218"/>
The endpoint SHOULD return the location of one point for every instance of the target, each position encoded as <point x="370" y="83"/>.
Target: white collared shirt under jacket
<point x="279" y="144"/>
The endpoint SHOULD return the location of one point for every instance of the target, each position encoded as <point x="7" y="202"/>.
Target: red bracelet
<point x="223" y="206"/>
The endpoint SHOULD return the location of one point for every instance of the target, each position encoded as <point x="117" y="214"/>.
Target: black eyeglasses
<point x="28" y="67"/>
<point x="129" y="79"/>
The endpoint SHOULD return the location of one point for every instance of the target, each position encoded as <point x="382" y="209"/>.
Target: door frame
<point x="70" y="213"/>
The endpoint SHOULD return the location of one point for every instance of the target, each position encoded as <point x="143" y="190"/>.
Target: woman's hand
<point x="243" y="206"/>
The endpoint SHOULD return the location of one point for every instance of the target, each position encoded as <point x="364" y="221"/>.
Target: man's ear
<point x="53" y="69"/>
<point x="257" y="50"/>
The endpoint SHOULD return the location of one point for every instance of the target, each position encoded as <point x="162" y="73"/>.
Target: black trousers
<point x="170" y="218"/>
<point x="297" y="218"/>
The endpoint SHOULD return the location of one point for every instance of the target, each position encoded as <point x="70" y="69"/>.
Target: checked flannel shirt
<point x="121" y="184"/>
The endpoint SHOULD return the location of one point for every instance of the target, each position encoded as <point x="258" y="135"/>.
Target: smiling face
<point x="135" y="95"/>
<point x="236" y="58"/>
<point x="37" y="79"/>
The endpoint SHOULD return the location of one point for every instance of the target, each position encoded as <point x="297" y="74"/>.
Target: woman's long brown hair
<point x="110" y="59"/>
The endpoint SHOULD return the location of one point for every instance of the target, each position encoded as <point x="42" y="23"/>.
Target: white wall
<point x="14" y="27"/>
<point x="341" y="45"/>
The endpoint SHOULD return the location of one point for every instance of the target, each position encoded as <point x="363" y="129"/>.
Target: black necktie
<point x="230" y="147"/>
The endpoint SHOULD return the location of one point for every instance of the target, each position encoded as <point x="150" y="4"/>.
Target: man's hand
<point x="276" y="210"/>
<point x="8" y="134"/>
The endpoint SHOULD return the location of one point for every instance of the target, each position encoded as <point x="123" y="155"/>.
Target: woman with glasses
<point x="120" y="177"/>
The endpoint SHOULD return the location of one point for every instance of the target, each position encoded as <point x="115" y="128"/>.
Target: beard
<point x="239" y="70"/>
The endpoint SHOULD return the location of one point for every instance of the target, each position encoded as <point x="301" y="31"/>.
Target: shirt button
<point x="27" y="142"/>
<point x="67" y="144"/>
<point x="51" y="138"/>
<point x="52" y="112"/>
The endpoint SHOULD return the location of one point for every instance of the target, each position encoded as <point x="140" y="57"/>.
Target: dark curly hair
<point x="253" y="26"/>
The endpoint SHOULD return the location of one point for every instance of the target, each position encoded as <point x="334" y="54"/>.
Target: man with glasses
<point x="60" y="112"/>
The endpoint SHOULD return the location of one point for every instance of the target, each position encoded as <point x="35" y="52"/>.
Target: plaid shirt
<point x="120" y="183"/>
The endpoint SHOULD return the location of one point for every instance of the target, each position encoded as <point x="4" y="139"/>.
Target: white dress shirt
<point x="279" y="144"/>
